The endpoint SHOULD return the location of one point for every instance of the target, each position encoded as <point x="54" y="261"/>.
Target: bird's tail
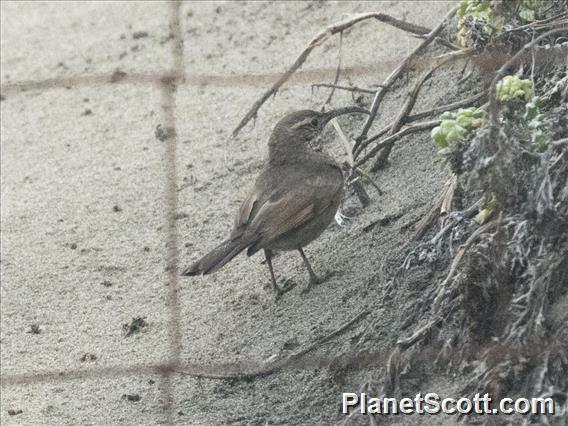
<point x="216" y="258"/>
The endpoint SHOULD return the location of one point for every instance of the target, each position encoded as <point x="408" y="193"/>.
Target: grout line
<point x="94" y="373"/>
<point x="194" y="79"/>
<point x="168" y="92"/>
<point x="300" y="77"/>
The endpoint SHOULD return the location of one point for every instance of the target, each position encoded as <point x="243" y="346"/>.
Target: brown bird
<point x="294" y="199"/>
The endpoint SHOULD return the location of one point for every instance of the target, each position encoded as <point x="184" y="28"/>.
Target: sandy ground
<point x="83" y="202"/>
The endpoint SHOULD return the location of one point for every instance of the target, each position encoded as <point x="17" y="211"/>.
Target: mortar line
<point x="300" y="77"/>
<point x="168" y="92"/>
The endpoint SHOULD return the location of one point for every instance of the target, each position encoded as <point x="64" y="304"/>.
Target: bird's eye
<point x="314" y="122"/>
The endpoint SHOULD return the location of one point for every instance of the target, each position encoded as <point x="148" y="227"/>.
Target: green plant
<point x="478" y="22"/>
<point x="457" y="126"/>
<point x="529" y="10"/>
<point x="487" y="211"/>
<point x="534" y="121"/>
<point x="513" y="87"/>
<point x="512" y="91"/>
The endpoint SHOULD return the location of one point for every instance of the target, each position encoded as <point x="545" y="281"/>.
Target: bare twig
<point x="346" y="144"/>
<point x="406" y="131"/>
<point x="433" y="213"/>
<point x="348" y="88"/>
<point x="366" y="175"/>
<point x="457" y="259"/>
<point x="397" y="72"/>
<point x="272" y="367"/>
<point x="440" y="206"/>
<point x="411" y="100"/>
<point x="358" y="148"/>
<point x="360" y="191"/>
<point x="448" y="107"/>
<point x="318" y="40"/>
<point x="337" y="72"/>
<point x="418" y="334"/>
<point x="560" y="142"/>
<point x="559" y="19"/>
<point x="449" y="196"/>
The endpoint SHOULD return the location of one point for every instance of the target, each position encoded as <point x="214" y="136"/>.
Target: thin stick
<point x="540" y="23"/>
<point x="406" y="131"/>
<point x="360" y="191"/>
<point x="318" y="40"/>
<point x="411" y="99"/>
<point x="448" y="107"/>
<point x="346" y="144"/>
<point x="366" y="175"/>
<point x="348" y="88"/>
<point x="457" y="259"/>
<point x="337" y="72"/>
<point x="397" y="72"/>
<point x="433" y="213"/>
<point x="272" y="367"/>
<point x="418" y="116"/>
<point x="449" y="196"/>
<point x="418" y="334"/>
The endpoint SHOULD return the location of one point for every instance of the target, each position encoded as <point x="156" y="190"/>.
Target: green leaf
<point x="527" y="15"/>
<point x="439" y="137"/>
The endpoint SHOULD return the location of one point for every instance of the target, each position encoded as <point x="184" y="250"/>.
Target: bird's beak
<point x="328" y="116"/>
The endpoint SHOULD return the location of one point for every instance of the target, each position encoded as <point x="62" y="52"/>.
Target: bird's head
<point x="306" y="125"/>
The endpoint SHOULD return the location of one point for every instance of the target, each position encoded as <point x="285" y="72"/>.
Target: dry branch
<point x="355" y="173"/>
<point x="397" y="72"/>
<point x="318" y="40"/>
<point x="418" y="334"/>
<point x="439" y="207"/>
<point x="272" y="367"/>
<point x="411" y="100"/>
<point x="337" y="72"/>
<point x="448" y="107"/>
<point x="457" y="259"/>
<point x="406" y="131"/>
<point x="418" y="116"/>
<point x="348" y="88"/>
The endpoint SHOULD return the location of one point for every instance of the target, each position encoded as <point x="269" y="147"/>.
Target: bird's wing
<point x="244" y="213"/>
<point x="286" y="211"/>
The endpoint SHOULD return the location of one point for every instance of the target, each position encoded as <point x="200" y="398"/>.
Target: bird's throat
<point x="286" y="150"/>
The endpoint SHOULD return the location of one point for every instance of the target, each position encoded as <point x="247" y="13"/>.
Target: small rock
<point x="117" y="75"/>
<point x="34" y="329"/>
<point x="135" y="326"/>
<point x="131" y="398"/>
<point x="139" y="34"/>
<point x="88" y="357"/>
<point x="164" y="133"/>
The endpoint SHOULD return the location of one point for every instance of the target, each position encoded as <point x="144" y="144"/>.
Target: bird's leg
<point x="314" y="279"/>
<point x="279" y="291"/>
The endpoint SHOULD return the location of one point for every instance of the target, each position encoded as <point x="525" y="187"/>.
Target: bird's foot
<point x="315" y="280"/>
<point x="287" y="285"/>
